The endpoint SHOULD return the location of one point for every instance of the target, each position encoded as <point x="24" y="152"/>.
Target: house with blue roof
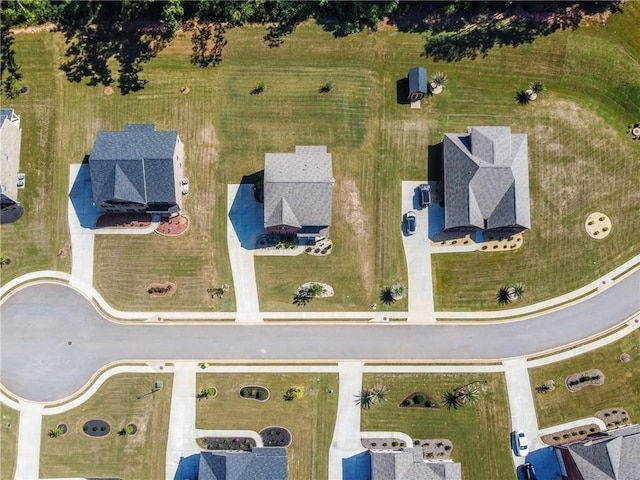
<point x="137" y="170"/>
<point x="262" y="463"/>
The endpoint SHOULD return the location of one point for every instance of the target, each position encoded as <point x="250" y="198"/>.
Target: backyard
<point x="310" y="419"/>
<point x="621" y="388"/>
<point x="576" y="138"/>
<point x="8" y="441"/>
<point x="480" y="433"/>
<point x="129" y="457"/>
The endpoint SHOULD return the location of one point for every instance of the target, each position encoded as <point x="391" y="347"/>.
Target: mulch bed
<point x="571" y="435"/>
<point x="435" y="448"/>
<point x="255" y="392"/>
<point x="123" y="220"/>
<point x="614" y="417"/>
<point x="96" y="428"/>
<point x="577" y="381"/>
<point x="165" y="289"/>
<point x="412" y="401"/>
<point x="227" y="443"/>
<point x="275" y="437"/>
<point x="383" y="443"/>
<point x="174" y="226"/>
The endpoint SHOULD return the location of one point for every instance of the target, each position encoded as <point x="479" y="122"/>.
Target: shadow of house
<point x="137" y="170"/>
<point x="188" y="468"/>
<point x="247" y="216"/>
<point x="10" y="143"/>
<point x="81" y="197"/>
<point x="486" y="180"/>
<point x="435" y="163"/>
<point x="357" y="467"/>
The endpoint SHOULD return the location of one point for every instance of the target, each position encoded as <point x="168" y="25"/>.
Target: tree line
<point x="133" y="32"/>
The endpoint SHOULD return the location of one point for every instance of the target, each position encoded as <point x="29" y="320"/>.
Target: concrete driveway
<point x="244" y="224"/>
<point x="418" y="256"/>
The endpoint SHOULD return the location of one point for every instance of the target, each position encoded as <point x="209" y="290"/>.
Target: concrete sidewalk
<point x="29" y="437"/>
<point x="181" y="441"/>
<point x="346" y="436"/>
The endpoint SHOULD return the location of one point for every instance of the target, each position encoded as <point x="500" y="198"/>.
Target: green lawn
<point x="142" y="455"/>
<point x="8" y="441"/>
<point x="620" y="389"/>
<point x="480" y="433"/>
<point x="310" y="419"/>
<point x="576" y="139"/>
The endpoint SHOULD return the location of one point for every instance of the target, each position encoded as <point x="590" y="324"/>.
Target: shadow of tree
<point x="521" y="97"/>
<point x="98" y="36"/>
<point x="471" y="29"/>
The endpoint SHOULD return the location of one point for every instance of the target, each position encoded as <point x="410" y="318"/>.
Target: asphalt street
<point x="53" y="341"/>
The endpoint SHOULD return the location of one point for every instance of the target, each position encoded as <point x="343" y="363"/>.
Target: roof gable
<point x="259" y="464"/>
<point x="407" y="464"/>
<point x="134" y="166"/>
<point x="298" y="188"/>
<point x="486" y="177"/>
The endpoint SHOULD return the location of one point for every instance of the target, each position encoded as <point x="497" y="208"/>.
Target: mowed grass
<point x="8" y="441"/>
<point x="142" y="455"/>
<point x="480" y="433"/>
<point x="620" y="389"/>
<point x="310" y="419"/>
<point x="581" y="158"/>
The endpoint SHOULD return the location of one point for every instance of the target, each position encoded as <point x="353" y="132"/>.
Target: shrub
<point x="565" y="435"/>
<point x="261" y="395"/>
<point x="384" y="444"/>
<point x="582" y="432"/>
<point x="574" y="433"/>
<point x="585" y="378"/>
<point x="244" y="392"/>
<point x="573" y="383"/>
<point x="601" y="219"/>
<point x="596" y="378"/>
<point x="439" y="444"/>
<point x="419" y="398"/>
<point x="416" y="443"/>
<point x="373" y="444"/>
<point x="591" y="222"/>
<point x="394" y="444"/>
<point x="625" y="419"/>
<point x="617" y="422"/>
<point x="592" y="429"/>
<point x="293" y="393"/>
<point x="556" y="437"/>
<point x="614" y="411"/>
<point x="402" y="444"/>
<point x="407" y="402"/>
<point x="430" y="403"/>
<point x="607" y="414"/>
<point x="447" y="447"/>
<point x="604" y="229"/>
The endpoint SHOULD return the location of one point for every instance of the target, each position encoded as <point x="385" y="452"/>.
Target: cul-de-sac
<point x="320" y="240"/>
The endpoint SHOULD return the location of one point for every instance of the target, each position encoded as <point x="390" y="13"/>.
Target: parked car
<point x="425" y="195"/>
<point x="410" y="222"/>
<point x="522" y="444"/>
<point x="529" y="472"/>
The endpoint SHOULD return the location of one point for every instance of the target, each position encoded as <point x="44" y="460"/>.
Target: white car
<point x="522" y="444"/>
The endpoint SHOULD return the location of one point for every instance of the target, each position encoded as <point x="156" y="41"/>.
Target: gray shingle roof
<point x="135" y="165"/>
<point x="614" y="457"/>
<point x="407" y="464"/>
<point x="298" y="187"/>
<point x="418" y="80"/>
<point x="268" y="463"/>
<point x="486" y="179"/>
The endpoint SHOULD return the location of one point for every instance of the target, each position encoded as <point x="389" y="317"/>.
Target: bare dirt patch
<point x="108" y="91"/>
<point x="348" y="197"/>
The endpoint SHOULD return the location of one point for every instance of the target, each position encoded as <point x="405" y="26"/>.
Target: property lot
<point x="130" y="457"/>
<point x="8" y="441"/>
<point x="576" y="139"/>
<point x="620" y="389"/>
<point x="480" y="433"/>
<point x="310" y="419"/>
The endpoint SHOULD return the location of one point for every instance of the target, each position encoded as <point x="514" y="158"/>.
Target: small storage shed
<point x="417" y="83"/>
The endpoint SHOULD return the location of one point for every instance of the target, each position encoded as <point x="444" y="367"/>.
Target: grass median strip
<point x="310" y="419"/>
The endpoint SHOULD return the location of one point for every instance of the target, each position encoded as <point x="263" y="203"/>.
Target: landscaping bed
<point x="275" y="437"/>
<point x="173" y="226"/>
<point x="226" y="443"/>
<point x="383" y="443"/>
<point x="165" y="289"/>
<point x="614" y="417"/>
<point x="577" y="381"/>
<point x="419" y="400"/>
<point x="435" y="448"/>
<point x="571" y="435"/>
<point x="255" y="392"/>
<point x="96" y="428"/>
<point x="123" y="220"/>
